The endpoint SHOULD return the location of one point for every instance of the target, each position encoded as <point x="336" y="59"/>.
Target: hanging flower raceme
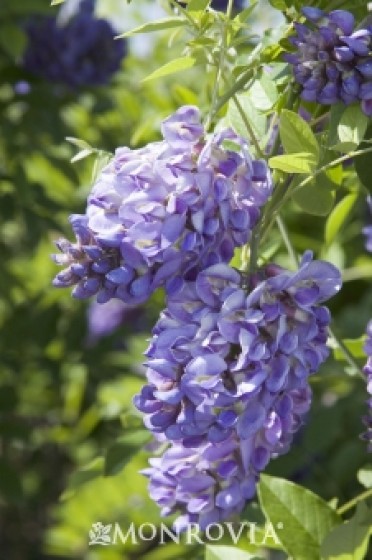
<point x="333" y="60"/>
<point x="79" y="52"/>
<point x="230" y="369"/>
<point x="159" y="214"/>
<point x="367" y="420"/>
<point x="210" y="482"/>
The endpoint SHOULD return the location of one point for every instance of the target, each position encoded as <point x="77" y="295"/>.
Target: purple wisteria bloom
<point x="79" y="52"/>
<point x="367" y="419"/>
<point x="210" y="482"/>
<point x="219" y="358"/>
<point x="333" y="59"/>
<point x="104" y="318"/>
<point x="230" y="370"/>
<point x="159" y="214"/>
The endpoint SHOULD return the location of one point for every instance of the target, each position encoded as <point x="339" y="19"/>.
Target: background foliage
<point x="68" y="430"/>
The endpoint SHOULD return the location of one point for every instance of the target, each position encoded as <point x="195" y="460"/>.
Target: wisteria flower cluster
<point x="76" y="53"/>
<point x="228" y="382"/>
<point x="333" y="58"/>
<point x="160" y="214"/>
<point x="230" y="357"/>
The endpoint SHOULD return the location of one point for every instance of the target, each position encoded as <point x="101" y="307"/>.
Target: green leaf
<point x="79" y="143"/>
<point x="89" y="472"/>
<point x="338" y="217"/>
<point x="363" y="163"/>
<point x="158" y="25"/>
<point x="176" y="65"/>
<point x="305" y="518"/>
<point x="123" y="450"/>
<point x="316" y="198"/>
<point x="12" y="40"/>
<point x="81" y="155"/>
<point x="263" y="93"/>
<point x="278" y="4"/>
<point x="256" y="119"/>
<point x="364" y="476"/>
<point x="351" y="129"/>
<point x="301" y="162"/>
<point x="355" y="347"/>
<point x="197" y="5"/>
<point x="296" y="135"/>
<point x="213" y="552"/>
<point x="348" y="541"/>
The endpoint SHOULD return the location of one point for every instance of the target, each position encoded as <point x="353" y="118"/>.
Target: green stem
<point x="347" y="354"/>
<point x="287" y="241"/>
<point x="220" y="66"/>
<point x="248" y="126"/>
<point x="253" y="246"/>
<point x="185" y="13"/>
<point x="324" y="168"/>
<point x="341" y="510"/>
<point x="239" y="84"/>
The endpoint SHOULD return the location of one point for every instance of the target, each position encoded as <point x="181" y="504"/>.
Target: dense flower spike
<point x="79" y="52"/>
<point x="210" y="482"/>
<point x="159" y="214"/>
<point x="219" y="358"/>
<point x="367" y="420"/>
<point x="227" y="370"/>
<point x="333" y="61"/>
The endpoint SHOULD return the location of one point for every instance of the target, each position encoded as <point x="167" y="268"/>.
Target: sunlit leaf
<point x="301" y="162"/>
<point x="296" y="135"/>
<point x="176" y="65"/>
<point x="349" y="541"/>
<point x="364" y="476"/>
<point x="159" y="25"/>
<point x="338" y="217"/>
<point x="305" y="519"/>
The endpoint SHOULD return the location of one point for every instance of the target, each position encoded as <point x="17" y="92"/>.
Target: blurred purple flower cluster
<point x="80" y="52"/>
<point x="333" y="59"/>
<point x="367" y="419"/>
<point x="160" y="214"/>
<point x="228" y="381"/>
<point x="221" y="5"/>
<point x="367" y="230"/>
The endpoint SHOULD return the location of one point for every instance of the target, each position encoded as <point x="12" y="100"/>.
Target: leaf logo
<point x="99" y="534"/>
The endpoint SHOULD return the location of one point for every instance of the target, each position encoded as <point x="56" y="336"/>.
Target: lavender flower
<point x="367" y="420"/>
<point x="104" y="318"/>
<point x="228" y="381"/>
<point x="159" y="214"/>
<point x="332" y="62"/>
<point x="79" y="52"/>
<point x="219" y="360"/>
<point x="210" y="482"/>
